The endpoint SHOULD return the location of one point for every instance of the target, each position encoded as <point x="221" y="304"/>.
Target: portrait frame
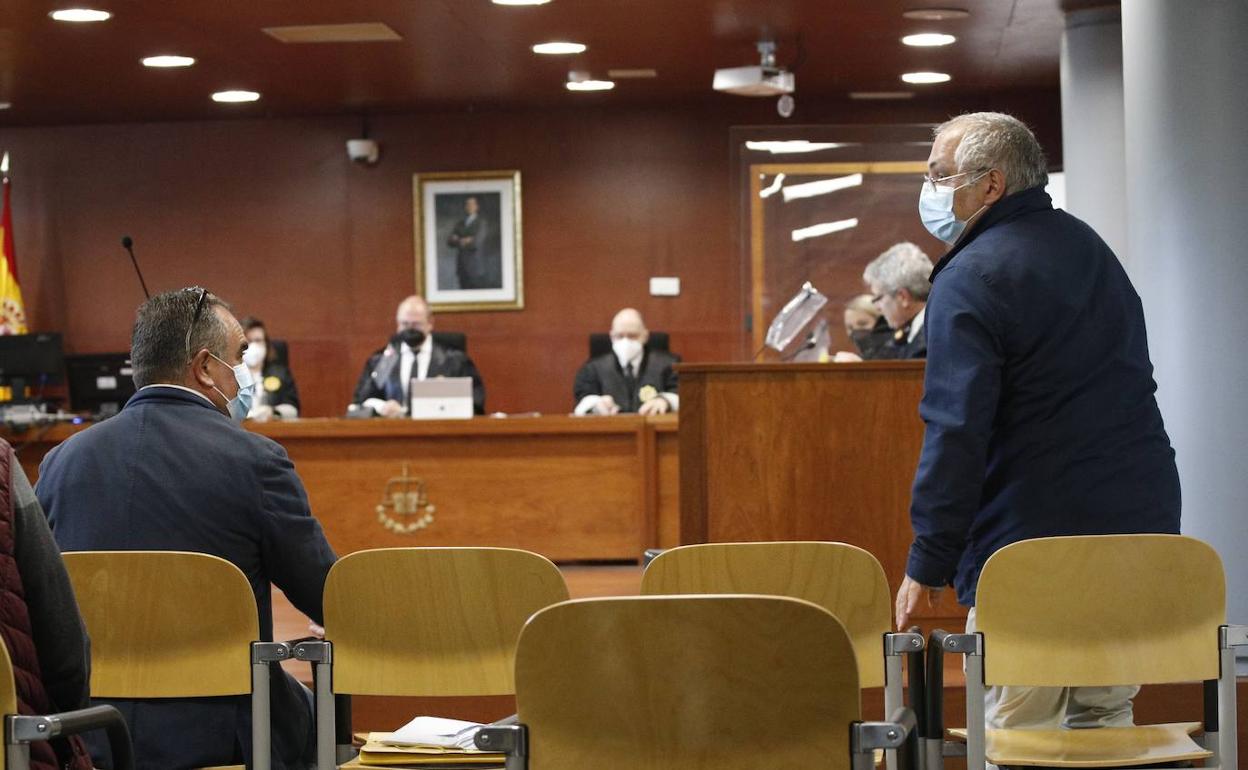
<point x="468" y="246"/>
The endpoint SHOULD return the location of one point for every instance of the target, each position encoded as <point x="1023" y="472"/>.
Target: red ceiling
<point x="471" y="52"/>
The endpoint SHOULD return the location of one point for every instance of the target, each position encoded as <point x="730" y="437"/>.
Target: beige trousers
<point x="1048" y="708"/>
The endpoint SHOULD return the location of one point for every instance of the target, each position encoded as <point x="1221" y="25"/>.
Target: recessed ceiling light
<point x="231" y="97"/>
<point x="590" y="85"/>
<point x="936" y="14"/>
<point x="80" y="15"/>
<point x="521" y="2"/>
<point x="925" y="78"/>
<point x="928" y="39"/>
<point x="880" y="95"/>
<point x="559" y="48"/>
<point x="168" y="61"/>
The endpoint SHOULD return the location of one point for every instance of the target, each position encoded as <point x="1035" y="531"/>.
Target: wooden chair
<point x="843" y="579"/>
<point x="170" y="624"/>
<point x="687" y="683"/>
<point x="429" y="622"/>
<point x="21" y="731"/>
<point x="1100" y="611"/>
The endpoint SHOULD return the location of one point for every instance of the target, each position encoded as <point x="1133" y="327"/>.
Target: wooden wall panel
<point x="270" y="214"/>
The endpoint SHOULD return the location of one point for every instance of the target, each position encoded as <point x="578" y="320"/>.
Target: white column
<point x="1185" y="68"/>
<point x="1092" y="123"/>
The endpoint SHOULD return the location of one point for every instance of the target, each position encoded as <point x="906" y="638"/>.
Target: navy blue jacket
<point x="1038" y="397"/>
<point x="170" y="472"/>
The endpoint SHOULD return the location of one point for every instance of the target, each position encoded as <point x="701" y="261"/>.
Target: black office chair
<point x="600" y="344"/>
<point x="281" y="355"/>
<point x="456" y="340"/>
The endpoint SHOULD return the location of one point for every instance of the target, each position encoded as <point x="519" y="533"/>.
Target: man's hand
<point x="606" y="405"/>
<point x="391" y="408"/>
<point x="317" y="631"/>
<point x="845" y="357"/>
<point x="262" y="413"/>
<point x="908" y="599"/>
<point x="656" y="405"/>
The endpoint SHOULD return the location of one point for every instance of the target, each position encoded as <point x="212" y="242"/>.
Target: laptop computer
<point x="442" y="398"/>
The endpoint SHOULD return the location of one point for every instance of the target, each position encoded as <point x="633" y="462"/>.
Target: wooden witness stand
<point x="805" y="452"/>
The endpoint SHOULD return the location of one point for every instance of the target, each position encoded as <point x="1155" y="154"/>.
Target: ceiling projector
<point x="766" y="79"/>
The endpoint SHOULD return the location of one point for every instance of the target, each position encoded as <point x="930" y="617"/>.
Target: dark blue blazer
<point x="170" y="472"/>
<point x="1038" y="397"/>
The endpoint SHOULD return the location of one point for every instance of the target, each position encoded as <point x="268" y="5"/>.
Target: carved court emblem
<point x="404" y="506"/>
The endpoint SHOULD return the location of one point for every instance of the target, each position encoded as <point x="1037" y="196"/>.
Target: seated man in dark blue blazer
<point x="412" y="354"/>
<point x="173" y="471"/>
<point x="631" y="378"/>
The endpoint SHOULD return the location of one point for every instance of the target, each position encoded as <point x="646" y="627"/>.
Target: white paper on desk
<point x="435" y="731"/>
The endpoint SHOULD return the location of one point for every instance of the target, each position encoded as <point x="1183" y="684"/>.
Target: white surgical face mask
<point x="936" y="210"/>
<point x="253" y="356"/>
<point x="240" y="405"/>
<point x="626" y="349"/>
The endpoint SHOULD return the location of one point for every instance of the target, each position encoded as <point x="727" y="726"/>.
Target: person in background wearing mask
<point x="412" y="354"/>
<point x="630" y="378"/>
<point x="276" y="394"/>
<point x="899" y="284"/>
<point x="1038" y="400"/>
<point x="865" y="326"/>
<point x="174" y="471"/>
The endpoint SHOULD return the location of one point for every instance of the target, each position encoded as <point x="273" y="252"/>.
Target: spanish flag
<point x="12" y="311"/>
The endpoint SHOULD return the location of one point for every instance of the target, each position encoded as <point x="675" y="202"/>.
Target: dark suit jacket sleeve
<point x="587" y="383"/>
<point x="60" y="637"/>
<point x="469" y="369"/>
<point x="365" y="388"/>
<point x="670" y="380"/>
<point x="961" y="389"/>
<point x="293" y="544"/>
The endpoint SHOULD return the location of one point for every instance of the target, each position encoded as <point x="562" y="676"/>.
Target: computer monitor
<point x="30" y="360"/>
<point x="99" y="383"/>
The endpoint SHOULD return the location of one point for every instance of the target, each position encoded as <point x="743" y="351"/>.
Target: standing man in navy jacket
<point x="174" y="472"/>
<point x="1038" y="398"/>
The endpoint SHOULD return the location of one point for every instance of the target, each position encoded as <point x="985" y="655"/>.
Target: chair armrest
<point x="897" y="733"/>
<point x="509" y="740"/>
<point x="24" y="729"/>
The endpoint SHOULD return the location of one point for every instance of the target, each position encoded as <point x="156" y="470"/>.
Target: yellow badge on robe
<point x="272" y="384"/>
<point x="647" y="393"/>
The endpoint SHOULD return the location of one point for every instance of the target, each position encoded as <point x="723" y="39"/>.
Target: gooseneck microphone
<point x="127" y="243"/>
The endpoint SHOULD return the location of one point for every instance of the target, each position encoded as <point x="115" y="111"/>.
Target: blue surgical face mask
<point x="936" y="210"/>
<point x="240" y="405"/>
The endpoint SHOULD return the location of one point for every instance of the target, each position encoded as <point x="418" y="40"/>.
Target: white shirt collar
<point x="916" y="325"/>
<point x="179" y="387"/>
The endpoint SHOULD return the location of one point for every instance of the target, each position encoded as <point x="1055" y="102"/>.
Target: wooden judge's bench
<point x="760" y="452"/>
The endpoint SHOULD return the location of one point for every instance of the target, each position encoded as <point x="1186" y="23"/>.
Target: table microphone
<point x="127" y="243"/>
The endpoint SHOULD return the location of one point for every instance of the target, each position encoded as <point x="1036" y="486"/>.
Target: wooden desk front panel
<point x="803" y="452"/>
<point x="572" y="489"/>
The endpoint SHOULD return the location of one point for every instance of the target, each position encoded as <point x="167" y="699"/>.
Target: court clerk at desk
<point x="412" y="353"/>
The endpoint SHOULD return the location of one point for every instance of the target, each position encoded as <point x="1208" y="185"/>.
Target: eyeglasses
<point x="199" y="307"/>
<point x="934" y="181"/>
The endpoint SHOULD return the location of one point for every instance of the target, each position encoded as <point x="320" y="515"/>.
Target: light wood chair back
<point x="8" y="688"/>
<point x="433" y="621"/>
<point x="843" y="579"/>
<point x="1101" y="610"/>
<point x="686" y="682"/>
<point x="165" y="624"/>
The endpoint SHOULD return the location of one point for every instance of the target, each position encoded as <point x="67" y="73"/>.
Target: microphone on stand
<point x="127" y="243"/>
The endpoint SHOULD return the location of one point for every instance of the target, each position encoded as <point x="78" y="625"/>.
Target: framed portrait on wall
<point x="468" y="248"/>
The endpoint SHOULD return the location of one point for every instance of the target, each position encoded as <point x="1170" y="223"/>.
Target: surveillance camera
<point x="364" y="151"/>
<point x="785" y="105"/>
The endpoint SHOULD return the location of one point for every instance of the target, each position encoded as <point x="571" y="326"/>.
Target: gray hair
<point x="1000" y="141"/>
<point x="158" y="344"/>
<point x="902" y="266"/>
